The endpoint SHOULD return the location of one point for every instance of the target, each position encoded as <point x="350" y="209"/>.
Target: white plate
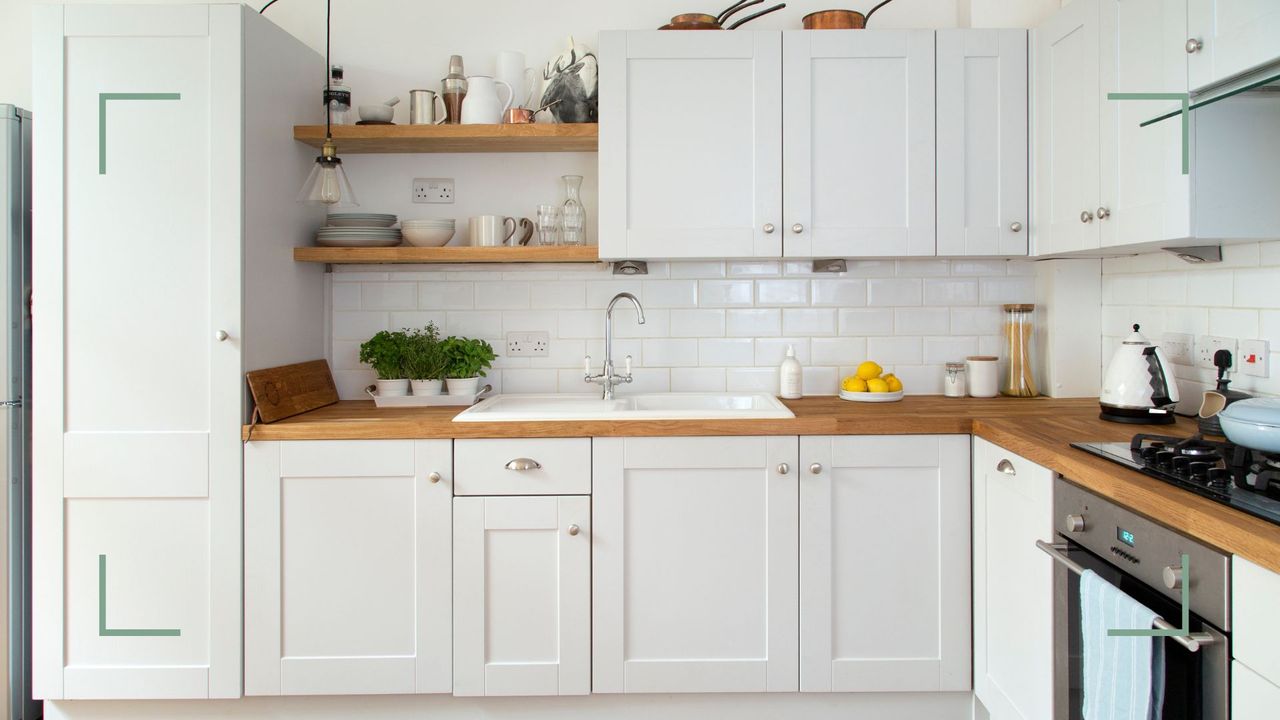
<point x="871" y="396"/>
<point x="357" y="241"/>
<point x="360" y="222"/>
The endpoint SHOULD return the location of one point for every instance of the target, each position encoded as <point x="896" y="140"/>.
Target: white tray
<point x="871" y="396"/>
<point x="425" y="400"/>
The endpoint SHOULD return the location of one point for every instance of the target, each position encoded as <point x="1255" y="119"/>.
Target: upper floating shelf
<point x="351" y="139"/>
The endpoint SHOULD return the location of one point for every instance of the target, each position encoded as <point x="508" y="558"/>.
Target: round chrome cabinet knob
<point x="221" y="336"/>
<point x="1104" y="213"/>
<point x="768" y="228"/>
<point x="1074" y="523"/>
<point x="1015" y="226"/>
<point x="1194" y="45"/>
<point x="1172" y="577"/>
<point x="797" y="228"/>
<point x="783" y="468"/>
<point x="574" y="529"/>
<point x="816" y="468"/>
<point x="434" y="478"/>
<point x="1086" y="216"/>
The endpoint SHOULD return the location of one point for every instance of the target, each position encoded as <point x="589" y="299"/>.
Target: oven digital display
<point x="1124" y="536"/>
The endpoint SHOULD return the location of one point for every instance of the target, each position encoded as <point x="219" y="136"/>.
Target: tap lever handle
<point x="628" y="365"/>
<point x="586" y="365"/>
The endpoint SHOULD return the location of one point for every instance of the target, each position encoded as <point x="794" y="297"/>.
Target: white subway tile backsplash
<point x="923" y="268"/>
<point x="726" y="351"/>
<point x="809" y="321"/>
<point x="782" y="292"/>
<point x="474" y="323"/>
<point x="530" y="320"/>
<point x="1017" y="289"/>
<point x="670" y="294"/>
<point x="698" y="380"/>
<point x="753" y="322"/>
<point x="1210" y="288"/>
<point x="1233" y="323"/>
<point x="894" y="350"/>
<point x="770" y="351"/>
<point x="669" y="352"/>
<point x="982" y="320"/>
<point x="840" y="293"/>
<point x="357" y="325"/>
<point x="725" y="293"/>
<point x="346" y="296"/>
<point x="895" y="292"/>
<point x="581" y="324"/>
<point x="417" y="319"/>
<point x="871" y="268"/>
<point x="626" y="322"/>
<point x="752" y="380"/>
<point x="942" y="350"/>
<point x="446" y="295"/>
<point x="601" y="292"/>
<point x="871" y="321"/>
<point x="1256" y="288"/>
<point x="922" y="321"/>
<point x="753" y="268"/>
<point x="696" y="270"/>
<point x="502" y="295"/>
<point x="388" y="296"/>
<point x="821" y="381"/>
<point x="697" y="323"/>
<point x="346" y="355"/>
<point x="978" y="267"/>
<point x="529" y="380"/>
<point x="951" y="291"/>
<point x="558" y="295"/>
<point x="844" y="351"/>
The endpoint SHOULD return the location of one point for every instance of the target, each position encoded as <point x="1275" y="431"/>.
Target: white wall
<point x="1238" y="298"/>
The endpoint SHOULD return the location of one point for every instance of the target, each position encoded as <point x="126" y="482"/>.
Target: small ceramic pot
<point x="393" y="388"/>
<point x="462" y="386"/>
<point x="426" y="387"/>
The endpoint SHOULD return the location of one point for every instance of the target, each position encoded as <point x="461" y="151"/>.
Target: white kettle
<point x="1139" y="386"/>
<point x="481" y="106"/>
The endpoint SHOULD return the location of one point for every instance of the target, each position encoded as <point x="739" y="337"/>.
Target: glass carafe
<point x="573" y="215"/>
<point x="1018" y="381"/>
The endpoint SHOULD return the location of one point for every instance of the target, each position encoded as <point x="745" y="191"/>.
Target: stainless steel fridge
<point x="15" y="405"/>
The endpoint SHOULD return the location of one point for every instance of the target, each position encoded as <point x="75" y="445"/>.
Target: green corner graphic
<point x="102" y="118"/>
<point x="1186" y="121"/>
<point x="1184" y="630"/>
<point x="103" y="630"/>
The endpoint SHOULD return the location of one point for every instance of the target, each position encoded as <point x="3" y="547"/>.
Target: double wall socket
<point x="528" y="344"/>
<point x="1178" y="347"/>
<point x="433" y="190"/>
<point x="1207" y="345"/>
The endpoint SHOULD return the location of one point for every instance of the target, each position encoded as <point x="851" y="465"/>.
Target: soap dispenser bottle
<point x="790" y="376"/>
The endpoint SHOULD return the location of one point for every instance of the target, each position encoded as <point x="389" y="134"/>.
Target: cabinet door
<point x="136" y="440"/>
<point x="694" y="564"/>
<point x="347" y="580"/>
<point x="982" y="142"/>
<point x="1237" y="35"/>
<point x="1012" y="585"/>
<point x="1067" y="130"/>
<point x="884" y="563"/>
<point x="1255" y="636"/>
<point x="859" y="139"/>
<point x="1252" y="696"/>
<point x="522" y="595"/>
<point x="1144" y="195"/>
<point x="690" y="144"/>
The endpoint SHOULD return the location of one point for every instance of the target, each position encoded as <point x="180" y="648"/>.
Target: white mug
<point x="984" y="381"/>
<point x="485" y="230"/>
<point x="481" y="105"/>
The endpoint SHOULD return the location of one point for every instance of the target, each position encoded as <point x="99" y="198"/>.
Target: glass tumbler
<point x="549" y="222"/>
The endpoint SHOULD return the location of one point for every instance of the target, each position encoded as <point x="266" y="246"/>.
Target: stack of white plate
<point x="428" y="233"/>
<point x="363" y="220"/>
<point x="358" y="237"/>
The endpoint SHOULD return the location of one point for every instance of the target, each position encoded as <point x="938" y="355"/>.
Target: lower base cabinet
<point x="1253" y="697"/>
<point x="522" y="595"/>
<point x="347" y="581"/>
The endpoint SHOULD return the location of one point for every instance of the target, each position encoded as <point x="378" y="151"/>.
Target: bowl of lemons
<point x="870" y="383"/>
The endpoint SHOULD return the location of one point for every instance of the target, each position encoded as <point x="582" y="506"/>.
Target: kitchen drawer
<point x="1255" y="629"/>
<point x="560" y="466"/>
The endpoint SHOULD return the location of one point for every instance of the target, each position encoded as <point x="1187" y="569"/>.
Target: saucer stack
<point x="359" y="230"/>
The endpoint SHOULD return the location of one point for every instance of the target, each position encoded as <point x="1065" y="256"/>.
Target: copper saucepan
<point x="839" y="19"/>
<point x="703" y="21"/>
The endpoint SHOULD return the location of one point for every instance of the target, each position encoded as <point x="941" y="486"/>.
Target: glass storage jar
<point x="1018" y="380"/>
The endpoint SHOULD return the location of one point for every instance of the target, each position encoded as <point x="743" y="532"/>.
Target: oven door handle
<point x="1190" y="641"/>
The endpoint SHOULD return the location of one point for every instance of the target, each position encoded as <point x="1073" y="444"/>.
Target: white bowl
<point x="427" y="237"/>
<point x="427" y="223"/>
<point x="377" y="113"/>
<point x="360" y="222"/>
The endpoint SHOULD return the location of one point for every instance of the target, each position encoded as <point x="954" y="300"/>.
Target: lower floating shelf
<point x="393" y="255"/>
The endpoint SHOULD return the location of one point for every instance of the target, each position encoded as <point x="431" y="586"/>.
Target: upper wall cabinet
<point x="1227" y="37"/>
<point x="858" y="143"/>
<point x="163" y="173"/>
<point x="691" y="144"/>
<point x="982" y="142"/>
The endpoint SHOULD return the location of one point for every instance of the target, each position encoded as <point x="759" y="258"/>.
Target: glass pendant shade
<point x="328" y="184"/>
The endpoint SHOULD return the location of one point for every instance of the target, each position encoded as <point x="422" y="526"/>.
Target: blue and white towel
<point x="1123" y="676"/>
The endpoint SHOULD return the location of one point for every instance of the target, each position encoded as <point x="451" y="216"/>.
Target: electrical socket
<point x="1254" y="358"/>
<point x="1207" y="345"/>
<point x="535" y="343"/>
<point x="1178" y="347"/>
<point x="433" y="190"/>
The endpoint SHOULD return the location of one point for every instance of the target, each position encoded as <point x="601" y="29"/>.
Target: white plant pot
<point x="393" y="388"/>
<point x="462" y="386"/>
<point x="426" y="387"/>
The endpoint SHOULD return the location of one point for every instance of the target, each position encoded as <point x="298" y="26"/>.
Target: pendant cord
<point x="328" y="113"/>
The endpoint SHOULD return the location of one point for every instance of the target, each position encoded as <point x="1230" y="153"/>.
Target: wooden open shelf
<point x="352" y="139"/>
<point x="403" y="254"/>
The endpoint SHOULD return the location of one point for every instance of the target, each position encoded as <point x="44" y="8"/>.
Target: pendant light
<point x="327" y="184"/>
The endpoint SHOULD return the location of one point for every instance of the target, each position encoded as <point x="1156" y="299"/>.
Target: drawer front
<point x="551" y="466"/>
<point x="1255" y="629"/>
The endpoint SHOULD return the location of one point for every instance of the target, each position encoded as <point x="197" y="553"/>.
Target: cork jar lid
<point x="1020" y="307"/>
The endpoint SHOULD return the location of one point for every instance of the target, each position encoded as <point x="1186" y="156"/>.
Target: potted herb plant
<point x="466" y="359"/>
<point x="384" y="352"/>
<point x="425" y="361"/>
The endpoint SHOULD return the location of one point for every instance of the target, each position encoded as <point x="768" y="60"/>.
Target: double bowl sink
<point x="644" y="406"/>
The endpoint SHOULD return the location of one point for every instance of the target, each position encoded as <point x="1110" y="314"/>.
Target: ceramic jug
<point x="481" y="105"/>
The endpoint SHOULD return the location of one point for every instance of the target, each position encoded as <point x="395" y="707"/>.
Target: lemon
<point x="853" y="383"/>
<point x="894" y="383"/>
<point x="877" y="385"/>
<point x="869" y="370"/>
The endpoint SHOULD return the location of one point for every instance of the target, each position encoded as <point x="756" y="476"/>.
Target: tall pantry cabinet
<point x="164" y="219"/>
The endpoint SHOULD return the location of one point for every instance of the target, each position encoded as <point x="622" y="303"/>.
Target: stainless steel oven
<point x="1144" y="560"/>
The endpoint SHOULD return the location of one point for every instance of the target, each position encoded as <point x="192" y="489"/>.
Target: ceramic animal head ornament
<point x="570" y="81"/>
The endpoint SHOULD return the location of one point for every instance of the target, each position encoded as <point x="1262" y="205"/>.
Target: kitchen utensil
<point x="482" y="106"/>
<point x="427" y="233"/>
<point x="1207" y="422"/>
<point x="839" y="19"/>
<point x="1138" y="386"/>
<point x="692" y="26"/>
<point x="1253" y="423"/>
<point x="753" y="16"/>
<point x="422" y="108"/>
<point x="518" y="116"/>
<point x="870" y="397"/>
<point x="548" y="225"/>
<point x="377" y="113"/>
<point x="288" y="390"/>
<point x="1211" y="404"/>
<point x="526" y="232"/>
<point x="742" y="4"/>
<point x="453" y="89"/>
<point x="982" y="372"/>
<point x="685" y="18"/>
<point x="490" y="230"/>
<point x="703" y="21"/>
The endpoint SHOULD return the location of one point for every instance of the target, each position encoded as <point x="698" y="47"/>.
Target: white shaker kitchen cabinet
<point x="694" y="570"/>
<point x="522" y="595"/>
<point x="347" y="567"/>
<point x="1252" y="696"/>
<point x="1228" y="37"/>
<point x="690" y="144"/>
<point x="1255" y="638"/>
<point x="884" y="563"/>
<point x="858" y="160"/>
<point x="1012" y="584"/>
<point x="163" y="216"/>
<point x="1066" y="130"/>
<point x="1143" y="196"/>
<point x="982" y="142"/>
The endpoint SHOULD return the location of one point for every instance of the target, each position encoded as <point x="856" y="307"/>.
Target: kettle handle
<point x="1160" y="396"/>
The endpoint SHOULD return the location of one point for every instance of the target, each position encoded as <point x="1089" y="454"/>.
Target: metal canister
<point x="422" y="107"/>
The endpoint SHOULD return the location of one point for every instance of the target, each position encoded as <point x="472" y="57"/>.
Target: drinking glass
<point x="574" y="214"/>
<point x="549" y="220"/>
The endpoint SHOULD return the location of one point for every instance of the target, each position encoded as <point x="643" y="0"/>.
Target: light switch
<point x="1254" y="358"/>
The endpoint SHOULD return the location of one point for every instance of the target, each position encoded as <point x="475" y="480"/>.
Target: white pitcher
<point x="481" y="106"/>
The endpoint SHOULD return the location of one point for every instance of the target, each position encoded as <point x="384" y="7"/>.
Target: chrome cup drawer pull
<point x="522" y="464"/>
<point x="1006" y="467"/>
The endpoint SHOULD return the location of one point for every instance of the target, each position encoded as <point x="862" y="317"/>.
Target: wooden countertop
<point x="1040" y="430"/>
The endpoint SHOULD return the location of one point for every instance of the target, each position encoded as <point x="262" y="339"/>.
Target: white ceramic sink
<point x="652" y="406"/>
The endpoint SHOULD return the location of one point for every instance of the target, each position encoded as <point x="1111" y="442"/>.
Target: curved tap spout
<point x="625" y="296"/>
